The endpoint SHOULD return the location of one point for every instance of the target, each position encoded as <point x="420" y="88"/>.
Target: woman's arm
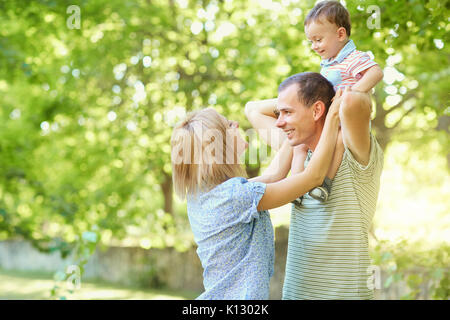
<point x="279" y="167"/>
<point x="288" y="189"/>
<point x="262" y="117"/>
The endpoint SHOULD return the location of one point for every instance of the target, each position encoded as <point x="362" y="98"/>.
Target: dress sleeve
<point x="361" y="62"/>
<point x="246" y="197"/>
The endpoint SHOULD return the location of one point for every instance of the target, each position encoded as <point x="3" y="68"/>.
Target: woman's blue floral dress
<point x="235" y="241"/>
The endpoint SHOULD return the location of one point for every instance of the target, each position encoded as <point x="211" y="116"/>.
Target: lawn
<point x="26" y="285"/>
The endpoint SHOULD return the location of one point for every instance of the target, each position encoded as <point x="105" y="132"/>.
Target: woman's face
<point x="239" y="142"/>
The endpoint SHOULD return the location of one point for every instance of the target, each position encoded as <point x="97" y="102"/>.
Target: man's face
<point x="295" y="119"/>
<point x="325" y="39"/>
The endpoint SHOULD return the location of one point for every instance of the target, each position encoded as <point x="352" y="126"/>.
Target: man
<point x="327" y="254"/>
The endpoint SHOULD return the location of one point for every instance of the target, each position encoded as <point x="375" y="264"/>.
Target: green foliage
<point x="69" y="280"/>
<point x="420" y="269"/>
<point x="87" y="113"/>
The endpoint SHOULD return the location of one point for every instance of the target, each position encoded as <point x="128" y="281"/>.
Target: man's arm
<point x="355" y="118"/>
<point x="262" y="117"/>
<point x="279" y="167"/>
<point x="370" y="79"/>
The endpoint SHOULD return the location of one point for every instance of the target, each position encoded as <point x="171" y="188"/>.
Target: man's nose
<point x="280" y="123"/>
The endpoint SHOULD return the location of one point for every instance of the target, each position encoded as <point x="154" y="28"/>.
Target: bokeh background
<point x="87" y="107"/>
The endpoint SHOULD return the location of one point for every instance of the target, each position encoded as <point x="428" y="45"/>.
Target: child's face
<point x="326" y="38"/>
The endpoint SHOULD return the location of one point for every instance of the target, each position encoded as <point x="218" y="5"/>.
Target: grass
<point x="20" y="285"/>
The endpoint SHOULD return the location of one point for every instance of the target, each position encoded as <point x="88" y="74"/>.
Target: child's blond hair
<point x="202" y="148"/>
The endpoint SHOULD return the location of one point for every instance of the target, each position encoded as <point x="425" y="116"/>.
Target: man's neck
<point x="315" y="138"/>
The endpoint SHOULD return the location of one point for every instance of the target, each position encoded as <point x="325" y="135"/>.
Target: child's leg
<point x="322" y="192"/>
<point x="300" y="153"/>
<point x="337" y="157"/>
<point x="298" y="159"/>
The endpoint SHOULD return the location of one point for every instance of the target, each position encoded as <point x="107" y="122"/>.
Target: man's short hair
<point x="312" y="87"/>
<point x="333" y="11"/>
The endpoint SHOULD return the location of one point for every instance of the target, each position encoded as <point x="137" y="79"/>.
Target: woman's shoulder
<point x="242" y="187"/>
<point x="236" y="199"/>
<point x="235" y="181"/>
<point x="229" y="186"/>
<point x="233" y="188"/>
<point x="236" y="187"/>
<point x="241" y="183"/>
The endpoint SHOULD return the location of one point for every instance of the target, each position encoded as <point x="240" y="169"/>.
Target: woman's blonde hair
<point x="203" y="155"/>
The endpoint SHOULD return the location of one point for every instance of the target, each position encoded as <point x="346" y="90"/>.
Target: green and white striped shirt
<point x="328" y="254"/>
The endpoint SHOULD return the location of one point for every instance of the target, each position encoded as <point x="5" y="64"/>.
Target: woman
<point x="226" y="211"/>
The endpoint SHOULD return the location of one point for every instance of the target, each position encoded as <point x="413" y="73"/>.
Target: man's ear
<point x="318" y="110"/>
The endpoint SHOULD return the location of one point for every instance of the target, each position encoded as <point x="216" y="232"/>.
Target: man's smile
<point x="289" y="133"/>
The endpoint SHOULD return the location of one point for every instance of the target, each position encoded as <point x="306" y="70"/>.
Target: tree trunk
<point x="252" y="171"/>
<point x="167" y="189"/>
<point x="444" y="124"/>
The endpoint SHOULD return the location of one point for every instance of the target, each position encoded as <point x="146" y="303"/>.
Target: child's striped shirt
<point x="345" y="70"/>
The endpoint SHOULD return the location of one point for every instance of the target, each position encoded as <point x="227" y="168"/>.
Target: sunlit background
<point x="91" y="91"/>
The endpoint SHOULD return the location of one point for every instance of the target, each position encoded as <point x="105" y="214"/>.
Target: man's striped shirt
<point x="328" y="254"/>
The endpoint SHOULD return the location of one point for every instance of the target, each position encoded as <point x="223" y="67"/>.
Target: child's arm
<point x="262" y="117"/>
<point x="288" y="189"/>
<point x="370" y="78"/>
<point x="279" y="167"/>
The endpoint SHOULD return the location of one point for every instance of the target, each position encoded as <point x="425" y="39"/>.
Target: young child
<point x="328" y="28"/>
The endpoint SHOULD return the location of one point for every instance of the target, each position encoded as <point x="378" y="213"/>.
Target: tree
<point x="87" y="113"/>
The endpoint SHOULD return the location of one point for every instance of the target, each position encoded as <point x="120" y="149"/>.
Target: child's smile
<point x="326" y="38"/>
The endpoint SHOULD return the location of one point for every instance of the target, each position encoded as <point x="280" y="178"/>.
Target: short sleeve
<point x="245" y="199"/>
<point x="375" y="159"/>
<point x="361" y="62"/>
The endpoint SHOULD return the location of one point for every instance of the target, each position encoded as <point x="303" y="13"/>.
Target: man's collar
<point x="345" y="51"/>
